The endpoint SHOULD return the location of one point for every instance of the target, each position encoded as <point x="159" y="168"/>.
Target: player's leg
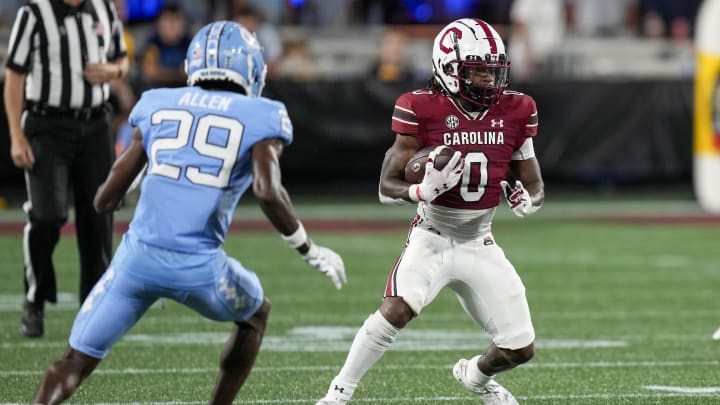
<point x="64" y="376"/>
<point x="374" y="337"/>
<point x="95" y="331"/>
<point x="496" y="359"/>
<point x="413" y="283"/>
<point x="492" y="293"/>
<point x="235" y="295"/>
<point x="114" y="305"/>
<point x="239" y="355"/>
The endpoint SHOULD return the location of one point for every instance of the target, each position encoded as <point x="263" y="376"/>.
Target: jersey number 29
<point x="228" y="153"/>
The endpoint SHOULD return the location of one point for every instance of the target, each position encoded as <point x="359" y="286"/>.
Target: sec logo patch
<point x="452" y="121"/>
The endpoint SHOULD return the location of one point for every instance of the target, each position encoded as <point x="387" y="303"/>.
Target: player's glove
<point x="518" y="198"/>
<point x="327" y="262"/>
<point x="437" y="181"/>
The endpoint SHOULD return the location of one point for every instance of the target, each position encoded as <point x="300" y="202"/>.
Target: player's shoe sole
<point x="491" y="393"/>
<point x="331" y="401"/>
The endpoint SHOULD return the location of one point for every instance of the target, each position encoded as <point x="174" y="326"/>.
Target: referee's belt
<point x="83" y="114"/>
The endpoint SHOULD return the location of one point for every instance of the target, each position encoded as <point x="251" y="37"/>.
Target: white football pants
<point x="486" y="283"/>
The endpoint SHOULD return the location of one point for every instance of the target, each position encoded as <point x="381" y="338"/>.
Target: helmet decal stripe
<point x="250" y="68"/>
<point x="211" y="46"/>
<point x="226" y="51"/>
<point x="488" y="35"/>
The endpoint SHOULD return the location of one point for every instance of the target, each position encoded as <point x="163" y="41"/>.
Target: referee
<point x="61" y="56"/>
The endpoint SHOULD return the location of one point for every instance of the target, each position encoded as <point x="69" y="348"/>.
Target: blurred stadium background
<point x="613" y="82"/>
<point x="620" y="265"/>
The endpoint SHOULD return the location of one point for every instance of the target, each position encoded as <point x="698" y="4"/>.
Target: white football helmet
<point x="469" y="61"/>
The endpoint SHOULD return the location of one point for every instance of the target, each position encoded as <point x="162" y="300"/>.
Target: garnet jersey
<point x="487" y="140"/>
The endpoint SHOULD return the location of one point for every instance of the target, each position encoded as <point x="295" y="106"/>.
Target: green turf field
<point x="623" y="315"/>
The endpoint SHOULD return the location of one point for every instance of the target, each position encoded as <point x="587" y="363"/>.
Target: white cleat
<point x="716" y="335"/>
<point x="491" y="393"/>
<point x="338" y="394"/>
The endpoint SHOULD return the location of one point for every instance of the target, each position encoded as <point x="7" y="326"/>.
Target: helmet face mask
<point x="482" y="83"/>
<point x="469" y="62"/>
<point x="225" y="51"/>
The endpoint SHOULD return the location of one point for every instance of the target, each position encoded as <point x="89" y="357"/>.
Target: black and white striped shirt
<point x="52" y="43"/>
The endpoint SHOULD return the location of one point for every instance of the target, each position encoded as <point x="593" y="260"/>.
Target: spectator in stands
<point x="197" y="12"/>
<point x="274" y="12"/>
<point x="8" y="9"/>
<point x="606" y="18"/>
<point x="495" y="13"/>
<point x="392" y="64"/>
<point x="322" y="13"/>
<point x="296" y="63"/>
<point x="538" y="28"/>
<point x="254" y="21"/>
<point x="669" y="18"/>
<point x="381" y="12"/>
<point x="163" y="63"/>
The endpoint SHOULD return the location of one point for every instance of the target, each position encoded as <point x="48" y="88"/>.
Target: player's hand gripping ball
<point x="415" y="168"/>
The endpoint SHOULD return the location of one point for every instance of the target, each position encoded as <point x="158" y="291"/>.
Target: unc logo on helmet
<point x="224" y="50"/>
<point x="469" y="62"/>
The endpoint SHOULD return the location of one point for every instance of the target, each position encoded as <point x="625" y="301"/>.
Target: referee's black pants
<point x="72" y="158"/>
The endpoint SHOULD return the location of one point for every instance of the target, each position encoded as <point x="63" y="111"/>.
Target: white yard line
<point x="464" y="398"/>
<point x="684" y="390"/>
<point x="293" y="369"/>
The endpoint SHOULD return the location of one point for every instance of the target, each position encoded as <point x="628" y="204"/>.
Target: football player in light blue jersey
<point x="203" y="145"/>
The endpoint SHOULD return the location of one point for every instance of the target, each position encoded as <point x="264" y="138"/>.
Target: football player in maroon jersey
<point x="466" y="107"/>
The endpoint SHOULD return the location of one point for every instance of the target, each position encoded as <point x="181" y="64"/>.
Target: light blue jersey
<point x="198" y="143"/>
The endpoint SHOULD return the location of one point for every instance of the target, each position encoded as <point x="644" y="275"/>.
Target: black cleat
<point x="31" y="323"/>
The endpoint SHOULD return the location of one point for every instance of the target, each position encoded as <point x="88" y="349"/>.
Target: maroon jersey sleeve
<point x="404" y="118"/>
<point x="532" y="120"/>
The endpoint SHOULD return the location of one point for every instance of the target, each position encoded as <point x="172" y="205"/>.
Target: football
<point x="415" y="167"/>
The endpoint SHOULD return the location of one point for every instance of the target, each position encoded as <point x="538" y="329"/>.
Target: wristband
<point x="414" y="193"/>
<point x="298" y="238"/>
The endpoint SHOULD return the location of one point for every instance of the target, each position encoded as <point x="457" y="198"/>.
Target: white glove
<point x="327" y="262"/>
<point x="518" y="198"/>
<point x="437" y="181"/>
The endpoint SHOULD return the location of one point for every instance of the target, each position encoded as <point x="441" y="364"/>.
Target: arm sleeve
<point x="525" y="151"/>
<point x="532" y="122"/>
<point x="404" y="119"/>
<point x="137" y="114"/>
<point x="20" y="45"/>
<point x="281" y="125"/>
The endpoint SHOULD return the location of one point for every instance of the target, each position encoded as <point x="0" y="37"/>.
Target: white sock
<point x="473" y="373"/>
<point x="372" y="340"/>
